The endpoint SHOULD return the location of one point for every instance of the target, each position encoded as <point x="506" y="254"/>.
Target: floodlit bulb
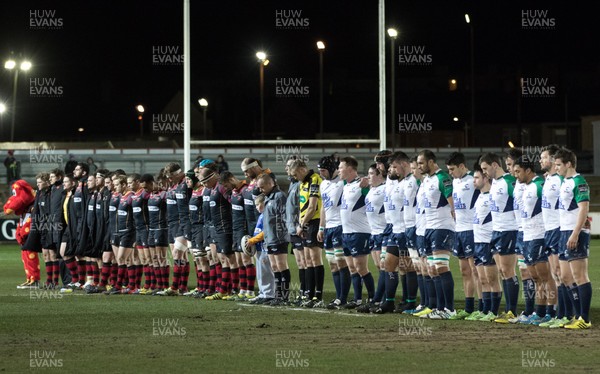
<point x="392" y="33"/>
<point x="320" y="45"/>
<point x="266" y="62"/>
<point x="10" y="64"/>
<point x="455" y="119"/>
<point x="25" y="65"/>
<point x="81" y="129"/>
<point x="203" y="102"/>
<point x="2" y="108"/>
<point x="510" y="144"/>
<point x="467" y="18"/>
<point x="453" y="81"/>
<point x="261" y="56"/>
<point x="140" y="108"/>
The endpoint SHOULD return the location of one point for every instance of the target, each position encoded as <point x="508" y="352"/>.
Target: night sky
<point x="101" y="56"/>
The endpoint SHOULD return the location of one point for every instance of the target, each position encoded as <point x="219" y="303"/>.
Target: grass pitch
<point x="77" y="333"/>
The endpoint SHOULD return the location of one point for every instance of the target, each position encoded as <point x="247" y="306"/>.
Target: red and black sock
<point x="205" y="280"/>
<point x="225" y="280"/>
<point x="132" y="273"/>
<point x="235" y="280"/>
<point x="114" y="273"/>
<point x="166" y="275"/>
<point x="81" y="269"/>
<point x="147" y="277"/>
<point x="199" y="281"/>
<point x="185" y="275"/>
<point x="106" y="267"/>
<point x="251" y="275"/>
<point x="89" y="272"/>
<point x="212" y="278"/>
<point x="243" y="278"/>
<point x="95" y="272"/>
<point x="176" y="274"/>
<point x="49" y="271"/>
<point x="152" y="277"/>
<point x="219" y="279"/>
<point x="72" y="266"/>
<point x="139" y="272"/>
<point x="55" y="271"/>
<point x="122" y="272"/>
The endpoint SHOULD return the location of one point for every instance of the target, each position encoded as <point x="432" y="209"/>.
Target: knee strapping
<point x="179" y="246"/>
<point x="440" y="260"/>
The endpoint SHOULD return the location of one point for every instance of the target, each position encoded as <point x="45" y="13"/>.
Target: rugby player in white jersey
<point x="505" y="226"/>
<point x="330" y="229"/>
<point x="464" y="196"/>
<point x="573" y="205"/>
<point x="356" y="229"/>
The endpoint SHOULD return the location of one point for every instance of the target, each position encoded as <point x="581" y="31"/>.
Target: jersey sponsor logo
<point x="122" y="212"/>
<point x="213" y="204"/>
<point x="152" y="208"/>
<point x="236" y="207"/>
<point x="90" y="207"/>
<point x="205" y="198"/>
<point x="583" y="188"/>
<point x="137" y="209"/>
<point x="97" y="206"/>
<point x="302" y="199"/>
<point x="112" y="208"/>
<point x="248" y="202"/>
<point x="171" y="202"/>
<point x="193" y="208"/>
<point x="545" y="203"/>
<point x="327" y="202"/>
<point x="77" y="199"/>
<point x="179" y="196"/>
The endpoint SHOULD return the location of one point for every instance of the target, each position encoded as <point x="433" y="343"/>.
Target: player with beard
<point x="330" y="229"/>
<point x="439" y="232"/>
<point x="505" y="230"/>
<point x="464" y="196"/>
<point x="262" y="271"/>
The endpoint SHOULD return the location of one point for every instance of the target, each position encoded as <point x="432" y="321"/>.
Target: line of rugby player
<point x="112" y="230"/>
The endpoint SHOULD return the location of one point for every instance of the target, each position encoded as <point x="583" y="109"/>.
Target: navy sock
<point x="412" y="286"/>
<point x="469" y="304"/>
<point x="487" y="302"/>
<point x="277" y="275"/>
<point x="391" y="284"/>
<point x="560" y="312"/>
<point x="551" y="311"/>
<point x="574" y="291"/>
<point x="381" y="288"/>
<point x="439" y="292"/>
<point x="540" y="310"/>
<point x="513" y="293"/>
<point x="448" y="289"/>
<point x="496" y="299"/>
<point x="404" y="287"/>
<point x="585" y="299"/>
<point x="369" y="285"/>
<point x="480" y="305"/>
<point x="319" y="281"/>
<point x="310" y="282"/>
<point x="529" y="293"/>
<point x="345" y="281"/>
<point x="505" y="291"/>
<point x="336" y="282"/>
<point x="431" y="294"/>
<point x="302" y="276"/>
<point x="420" y="285"/>
<point x="425" y="294"/>
<point x="357" y="285"/>
<point x="569" y="307"/>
